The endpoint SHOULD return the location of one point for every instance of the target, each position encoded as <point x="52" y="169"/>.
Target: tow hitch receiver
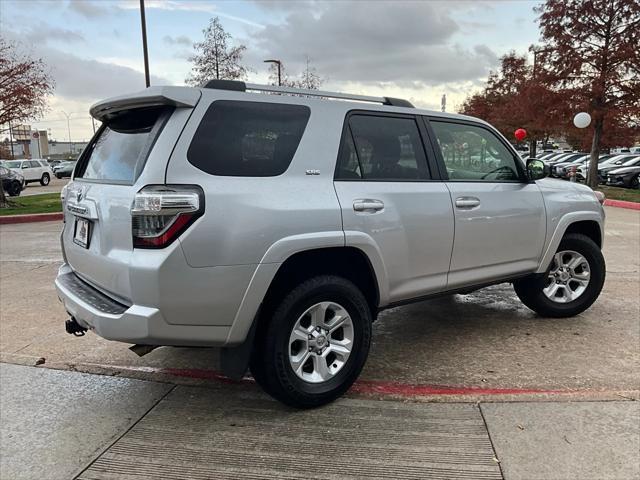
<point x="74" y="328"/>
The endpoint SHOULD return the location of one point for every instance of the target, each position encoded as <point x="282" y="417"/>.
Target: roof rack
<point x="238" y="86"/>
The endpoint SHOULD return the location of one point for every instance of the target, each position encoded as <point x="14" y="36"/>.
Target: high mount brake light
<point x="161" y="213"/>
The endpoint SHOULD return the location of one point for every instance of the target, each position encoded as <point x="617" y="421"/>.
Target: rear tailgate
<point x="130" y="150"/>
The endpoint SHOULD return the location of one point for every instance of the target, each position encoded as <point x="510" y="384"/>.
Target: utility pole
<point x="68" y="115"/>
<point x="144" y="44"/>
<point x="279" y="64"/>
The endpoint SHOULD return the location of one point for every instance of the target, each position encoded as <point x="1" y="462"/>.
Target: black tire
<point x="530" y="289"/>
<point x="44" y="181"/>
<point x="14" y="189"/>
<point x="58" y="176"/>
<point x="635" y="182"/>
<point x="270" y="364"/>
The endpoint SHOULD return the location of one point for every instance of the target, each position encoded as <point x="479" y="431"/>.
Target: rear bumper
<point x="129" y="323"/>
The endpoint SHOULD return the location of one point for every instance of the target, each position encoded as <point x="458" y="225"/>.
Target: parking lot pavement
<point x="54" y="423"/>
<point x="482" y="343"/>
<point x="55" y="186"/>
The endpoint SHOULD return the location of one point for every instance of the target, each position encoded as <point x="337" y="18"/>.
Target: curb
<point x="374" y="389"/>
<point x="622" y="204"/>
<point x="36" y="217"/>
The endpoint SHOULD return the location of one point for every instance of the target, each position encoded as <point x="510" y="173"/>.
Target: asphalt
<point x="55" y="186"/>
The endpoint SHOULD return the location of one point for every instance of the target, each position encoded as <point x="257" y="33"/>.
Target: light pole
<point x="144" y="44"/>
<point x="279" y="64"/>
<point x="68" y="115"/>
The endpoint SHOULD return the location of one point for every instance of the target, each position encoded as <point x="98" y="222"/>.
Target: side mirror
<point x="537" y="169"/>
<point x="24" y="165"/>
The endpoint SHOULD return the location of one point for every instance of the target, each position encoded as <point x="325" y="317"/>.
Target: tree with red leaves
<point x="516" y="98"/>
<point x="24" y="87"/>
<point x="591" y="55"/>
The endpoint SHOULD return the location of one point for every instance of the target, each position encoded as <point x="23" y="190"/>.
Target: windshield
<point x="632" y="162"/>
<point x="14" y="164"/>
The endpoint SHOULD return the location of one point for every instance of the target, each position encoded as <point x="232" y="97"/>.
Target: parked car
<point x="584" y="167"/>
<point x="621" y="161"/>
<point x="12" y="182"/>
<point x="279" y="226"/>
<point x="558" y="168"/>
<point x="64" y="169"/>
<point x="624" y="177"/>
<point x="32" y="170"/>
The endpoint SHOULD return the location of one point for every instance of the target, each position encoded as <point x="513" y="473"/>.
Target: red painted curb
<point x="622" y="204"/>
<point x="361" y="386"/>
<point x="36" y="217"/>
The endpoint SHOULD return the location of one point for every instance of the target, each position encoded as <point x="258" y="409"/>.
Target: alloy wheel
<point x="568" y="278"/>
<point x="320" y="342"/>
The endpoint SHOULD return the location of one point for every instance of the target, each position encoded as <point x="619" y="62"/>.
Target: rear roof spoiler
<point x="179" y="97"/>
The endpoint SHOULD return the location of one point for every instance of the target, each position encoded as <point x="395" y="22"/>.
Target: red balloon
<point x="520" y="134"/>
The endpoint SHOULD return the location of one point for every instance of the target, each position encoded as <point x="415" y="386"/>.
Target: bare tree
<point x="25" y="85"/>
<point x="215" y="58"/>
<point x="309" y="78"/>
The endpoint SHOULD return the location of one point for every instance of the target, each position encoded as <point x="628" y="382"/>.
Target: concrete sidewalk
<point x="57" y="425"/>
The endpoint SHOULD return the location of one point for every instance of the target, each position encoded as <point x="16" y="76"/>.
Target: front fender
<point x="561" y="227"/>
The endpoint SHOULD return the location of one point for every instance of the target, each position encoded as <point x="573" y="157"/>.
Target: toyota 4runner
<point x="276" y="223"/>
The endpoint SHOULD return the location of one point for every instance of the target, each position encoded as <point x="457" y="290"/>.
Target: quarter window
<point x="247" y="139"/>
<point x="473" y="153"/>
<point x="382" y="148"/>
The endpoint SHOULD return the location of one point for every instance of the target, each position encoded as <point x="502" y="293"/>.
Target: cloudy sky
<point x="410" y="49"/>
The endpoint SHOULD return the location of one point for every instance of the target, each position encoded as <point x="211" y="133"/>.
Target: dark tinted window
<point x="474" y="153"/>
<point x="247" y="139"/>
<point x="122" y="146"/>
<point x="382" y="148"/>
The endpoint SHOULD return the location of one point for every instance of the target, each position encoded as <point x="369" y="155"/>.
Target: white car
<point x="32" y="170"/>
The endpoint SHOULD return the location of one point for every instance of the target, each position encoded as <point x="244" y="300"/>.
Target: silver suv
<point x="276" y="223"/>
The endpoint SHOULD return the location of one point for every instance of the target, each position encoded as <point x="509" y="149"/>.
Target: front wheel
<point x="572" y="282"/>
<point x="44" y="181"/>
<point x="315" y="344"/>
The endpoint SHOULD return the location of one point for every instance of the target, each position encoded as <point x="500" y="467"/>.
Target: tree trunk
<point x="532" y="148"/>
<point x="3" y="197"/>
<point x="592" y="176"/>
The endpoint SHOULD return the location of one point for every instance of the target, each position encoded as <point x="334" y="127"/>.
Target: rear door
<point x="500" y="219"/>
<point x="129" y="151"/>
<point x="391" y="198"/>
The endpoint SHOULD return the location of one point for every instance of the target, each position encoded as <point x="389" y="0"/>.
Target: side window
<point x="34" y="164"/>
<point x="348" y="164"/>
<point x="382" y="148"/>
<point x="247" y="139"/>
<point x="474" y="153"/>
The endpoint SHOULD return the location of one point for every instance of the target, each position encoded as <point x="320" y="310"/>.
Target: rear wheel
<point x="635" y="182"/>
<point x="571" y="284"/>
<point x="44" y="181"/>
<point x="315" y="344"/>
<point x="14" y="189"/>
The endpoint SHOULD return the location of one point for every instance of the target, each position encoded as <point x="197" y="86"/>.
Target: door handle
<point x="467" y="202"/>
<point x="367" y="205"/>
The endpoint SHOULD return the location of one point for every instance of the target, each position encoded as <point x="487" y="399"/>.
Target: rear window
<point x="121" y="147"/>
<point x="247" y="139"/>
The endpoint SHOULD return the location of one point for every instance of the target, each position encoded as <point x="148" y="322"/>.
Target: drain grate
<point x="197" y="433"/>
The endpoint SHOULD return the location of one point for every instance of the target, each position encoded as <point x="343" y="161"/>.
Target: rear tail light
<point x="600" y="196"/>
<point x="161" y="213"/>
